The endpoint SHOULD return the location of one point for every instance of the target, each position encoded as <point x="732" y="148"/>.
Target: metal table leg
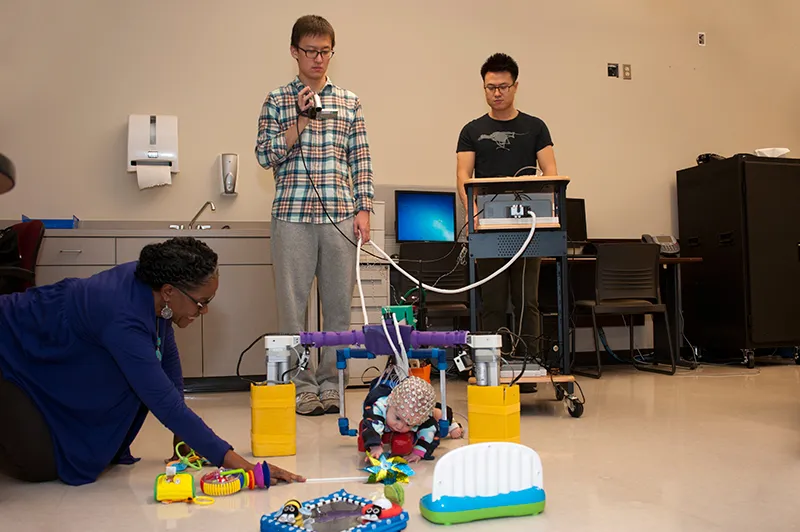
<point x="671" y="295"/>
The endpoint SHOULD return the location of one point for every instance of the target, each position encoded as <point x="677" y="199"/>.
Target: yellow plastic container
<point x="493" y="413"/>
<point x="273" y="420"/>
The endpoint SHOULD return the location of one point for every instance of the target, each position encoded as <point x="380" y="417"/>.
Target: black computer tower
<point x="740" y="216"/>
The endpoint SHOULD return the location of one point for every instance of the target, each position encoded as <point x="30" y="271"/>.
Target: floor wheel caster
<point x="560" y="392"/>
<point x="749" y="358"/>
<point x="574" y="407"/>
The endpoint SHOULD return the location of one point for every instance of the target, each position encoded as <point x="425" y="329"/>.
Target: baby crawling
<point x="405" y="416"/>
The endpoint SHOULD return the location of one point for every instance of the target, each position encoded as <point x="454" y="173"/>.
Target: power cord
<point x="325" y="210"/>
<point x="529" y="354"/>
<point x="249" y="347"/>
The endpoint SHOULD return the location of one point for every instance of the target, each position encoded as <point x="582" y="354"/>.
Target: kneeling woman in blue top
<point x="83" y="361"/>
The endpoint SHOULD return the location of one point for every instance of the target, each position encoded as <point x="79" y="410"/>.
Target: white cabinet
<point x="245" y="306"/>
<point x="376" y="287"/>
<point x="52" y="274"/>
<point x="375" y="284"/>
<point x="67" y="257"/>
<point x="243" y="309"/>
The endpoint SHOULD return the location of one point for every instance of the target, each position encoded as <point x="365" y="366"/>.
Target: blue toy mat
<point x="337" y="512"/>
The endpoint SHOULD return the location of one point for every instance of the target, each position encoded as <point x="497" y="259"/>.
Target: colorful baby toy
<point x="177" y="487"/>
<point x="388" y="470"/>
<point x="380" y="509"/>
<point x="190" y="460"/>
<point x="229" y="481"/>
<point x="292" y="514"/>
<point x="337" y="512"/>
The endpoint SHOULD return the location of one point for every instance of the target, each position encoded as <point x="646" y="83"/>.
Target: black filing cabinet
<point x="741" y="216"/>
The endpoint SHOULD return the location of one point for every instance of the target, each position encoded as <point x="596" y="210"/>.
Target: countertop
<point x="158" y="229"/>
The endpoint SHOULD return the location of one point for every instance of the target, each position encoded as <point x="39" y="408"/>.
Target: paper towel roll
<point x="152" y="175"/>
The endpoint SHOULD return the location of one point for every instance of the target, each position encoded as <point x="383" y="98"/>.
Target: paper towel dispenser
<point x="153" y="140"/>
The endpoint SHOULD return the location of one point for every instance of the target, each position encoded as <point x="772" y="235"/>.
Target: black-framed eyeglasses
<point x="312" y="54"/>
<point x="502" y="88"/>
<point x="200" y="304"/>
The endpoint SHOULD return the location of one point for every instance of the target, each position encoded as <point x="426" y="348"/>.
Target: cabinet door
<point x="190" y="348"/>
<point x="52" y="274"/>
<point x="243" y="309"/>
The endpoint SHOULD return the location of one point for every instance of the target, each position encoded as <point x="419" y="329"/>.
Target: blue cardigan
<point x="84" y="351"/>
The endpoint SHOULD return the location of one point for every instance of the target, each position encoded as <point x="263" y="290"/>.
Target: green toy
<point x="403" y="312"/>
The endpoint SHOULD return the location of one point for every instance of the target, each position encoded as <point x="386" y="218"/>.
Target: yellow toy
<point x="177" y="487"/>
<point x="291" y="515"/>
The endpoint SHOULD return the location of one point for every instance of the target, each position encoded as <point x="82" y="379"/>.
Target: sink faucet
<point x="196" y="216"/>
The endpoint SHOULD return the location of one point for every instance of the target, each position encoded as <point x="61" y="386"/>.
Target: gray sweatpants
<point x="301" y="251"/>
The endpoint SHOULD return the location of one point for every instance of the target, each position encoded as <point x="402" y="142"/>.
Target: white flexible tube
<point x="358" y="279"/>
<point x="404" y="365"/>
<point x="389" y="339"/>
<point x="394" y="350"/>
<point x="465" y="288"/>
<point x="338" y="480"/>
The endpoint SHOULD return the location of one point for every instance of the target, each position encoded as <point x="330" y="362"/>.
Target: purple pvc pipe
<point x="332" y="338"/>
<point x="438" y="338"/>
<point x="418" y="338"/>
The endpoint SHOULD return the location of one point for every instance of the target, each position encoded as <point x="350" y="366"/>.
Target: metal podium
<point x="504" y="241"/>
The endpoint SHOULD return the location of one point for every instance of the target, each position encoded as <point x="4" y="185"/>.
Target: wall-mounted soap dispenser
<point x="229" y="173"/>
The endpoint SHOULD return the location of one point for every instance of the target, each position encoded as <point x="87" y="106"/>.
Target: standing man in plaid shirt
<point x="308" y="237"/>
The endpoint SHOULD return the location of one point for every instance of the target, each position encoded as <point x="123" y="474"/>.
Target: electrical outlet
<point x="701" y="38"/>
<point x="626" y="72"/>
<point x="613" y="70"/>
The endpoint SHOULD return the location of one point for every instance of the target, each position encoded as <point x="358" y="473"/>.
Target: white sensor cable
<point x="358" y="278"/>
<point x="454" y="290"/>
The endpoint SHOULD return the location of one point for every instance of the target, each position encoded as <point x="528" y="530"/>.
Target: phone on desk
<point x="669" y="244"/>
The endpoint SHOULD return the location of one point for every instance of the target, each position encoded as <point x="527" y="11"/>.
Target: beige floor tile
<point x="715" y="449"/>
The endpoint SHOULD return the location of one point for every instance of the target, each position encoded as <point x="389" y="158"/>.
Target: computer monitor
<point x="424" y="216"/>
<point x="576" y="220"/>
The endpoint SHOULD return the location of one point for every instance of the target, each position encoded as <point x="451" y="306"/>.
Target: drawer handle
<point x="71" y="251"/>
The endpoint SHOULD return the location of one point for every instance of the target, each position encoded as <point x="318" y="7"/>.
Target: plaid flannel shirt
<point x="333" y="149"/>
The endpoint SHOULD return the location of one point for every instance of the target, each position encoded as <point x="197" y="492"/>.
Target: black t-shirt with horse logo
<point x="503" y="147"/>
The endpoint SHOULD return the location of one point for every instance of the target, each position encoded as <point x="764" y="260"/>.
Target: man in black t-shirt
<point x="502" y="143"/>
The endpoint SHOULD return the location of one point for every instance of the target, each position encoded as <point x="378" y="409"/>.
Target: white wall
<point x="72" y="71"/>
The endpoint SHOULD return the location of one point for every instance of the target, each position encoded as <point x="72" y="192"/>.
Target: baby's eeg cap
<point x="414" y="399"/>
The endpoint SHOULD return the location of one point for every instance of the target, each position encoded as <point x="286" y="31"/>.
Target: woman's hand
<point x="234" y="461"/>
<point x="276" y="474"/>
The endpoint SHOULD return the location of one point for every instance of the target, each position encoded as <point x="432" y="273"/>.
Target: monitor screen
<point x="576" y="220"/>
<point x="425" y="216"/>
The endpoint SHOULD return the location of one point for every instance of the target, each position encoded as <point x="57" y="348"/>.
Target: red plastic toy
<point x="380" y="509"/>
<point x="402" y="443"/>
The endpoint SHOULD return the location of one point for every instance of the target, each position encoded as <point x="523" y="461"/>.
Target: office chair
<point x="18" y="268"/>
<point x="626" y="285"/>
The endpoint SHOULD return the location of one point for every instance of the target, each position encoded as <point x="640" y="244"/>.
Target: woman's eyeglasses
<point x="200" y="304"/>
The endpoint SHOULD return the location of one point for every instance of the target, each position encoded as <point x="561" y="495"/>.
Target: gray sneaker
<point x="308" y="404"/>
<point x="330" y="401"/>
